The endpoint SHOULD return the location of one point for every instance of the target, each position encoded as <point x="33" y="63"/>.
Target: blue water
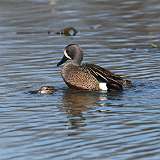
<point x="70" y="124"/>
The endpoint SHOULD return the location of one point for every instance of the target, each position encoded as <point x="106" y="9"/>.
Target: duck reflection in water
<point x="77" y="102"/>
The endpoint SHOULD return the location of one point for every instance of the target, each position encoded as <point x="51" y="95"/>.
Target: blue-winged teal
<point x="88" y="76"/>
<point x="44" y="90"/>
<point x="68" y="31"/>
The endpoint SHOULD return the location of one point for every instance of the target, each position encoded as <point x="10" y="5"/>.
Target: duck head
<point x="72" y="52"/>
<point x="46" y="90"/>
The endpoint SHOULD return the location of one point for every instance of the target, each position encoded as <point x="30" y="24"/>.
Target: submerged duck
<point x="68" y="31"/>
<point x="88" y="76"/>
<point x="44" y="90"/>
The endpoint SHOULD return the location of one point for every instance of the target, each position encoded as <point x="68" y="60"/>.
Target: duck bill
<point x="63" y="60"/>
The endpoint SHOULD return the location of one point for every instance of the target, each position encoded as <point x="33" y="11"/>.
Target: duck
<point x="44" y="90"/>
<point x="86" y="76"/>
<point x="68" y="31"/>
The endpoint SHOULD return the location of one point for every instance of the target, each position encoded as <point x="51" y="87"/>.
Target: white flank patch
<point x="65" y="53"/>
<point x="103" y="86"/>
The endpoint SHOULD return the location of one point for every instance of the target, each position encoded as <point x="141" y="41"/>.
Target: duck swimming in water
<point x="44" y="90"/>
<point x="68" y="31"/>
<point x="88" y="76"/>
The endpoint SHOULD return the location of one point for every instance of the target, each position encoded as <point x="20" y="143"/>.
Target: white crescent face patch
<point x="65" y="53"/>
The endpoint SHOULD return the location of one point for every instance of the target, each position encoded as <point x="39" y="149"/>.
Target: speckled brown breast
<point x="77" y="78"/>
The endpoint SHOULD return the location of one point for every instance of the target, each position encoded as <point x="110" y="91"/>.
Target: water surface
<point x="73" y="124"/>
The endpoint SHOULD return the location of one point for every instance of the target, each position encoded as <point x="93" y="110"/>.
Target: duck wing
<point x="103" y="75"/>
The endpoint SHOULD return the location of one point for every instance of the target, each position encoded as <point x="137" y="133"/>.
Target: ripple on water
<point x="74" y="124"/>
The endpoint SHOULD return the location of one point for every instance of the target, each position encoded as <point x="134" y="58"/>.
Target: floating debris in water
<point x="97" y="26"/>
<point x="153" y="45"/>
<point x="68" y="31"/>
<point x="44" y="90"/>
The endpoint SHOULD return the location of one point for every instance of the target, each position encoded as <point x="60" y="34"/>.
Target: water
<point x="74" y="124"/>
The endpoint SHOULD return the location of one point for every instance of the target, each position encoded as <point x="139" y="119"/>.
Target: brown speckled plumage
<point x="77" y="77"/>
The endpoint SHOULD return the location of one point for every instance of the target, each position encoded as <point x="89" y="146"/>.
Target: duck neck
<point x="78" y="59"/>
<point x="76" y="62"/>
